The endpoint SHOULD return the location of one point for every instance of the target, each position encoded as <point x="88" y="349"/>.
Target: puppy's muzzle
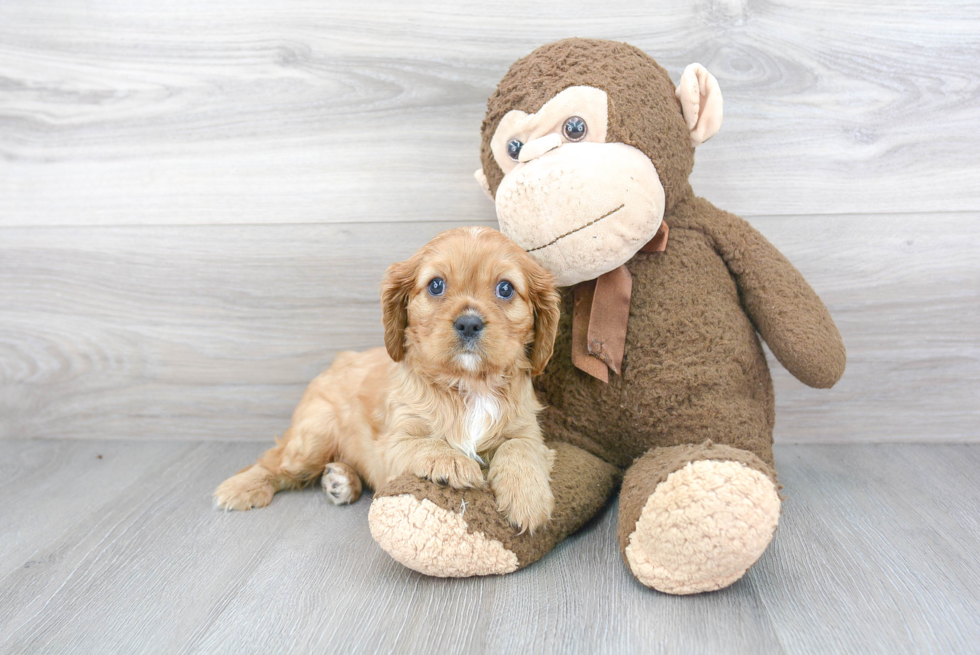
<point x="469" y="328"/>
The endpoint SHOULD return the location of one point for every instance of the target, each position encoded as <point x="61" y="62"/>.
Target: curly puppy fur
<point x="451" y="394"/>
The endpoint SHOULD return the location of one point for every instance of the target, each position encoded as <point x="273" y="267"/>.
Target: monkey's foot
<point x="703" y="527"/>
<point x="446" y="532"/>
<point x="436" y="541"/>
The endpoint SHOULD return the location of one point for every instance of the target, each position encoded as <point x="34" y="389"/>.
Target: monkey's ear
<point x="481" y="179"/>
<point x="397" y="285"/>
<point x="701" y="103"/>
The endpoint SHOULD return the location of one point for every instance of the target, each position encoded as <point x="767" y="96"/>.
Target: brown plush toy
<point x="658" y="379"/>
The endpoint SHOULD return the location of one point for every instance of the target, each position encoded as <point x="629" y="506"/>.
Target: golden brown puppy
<point x="468" y="320"/>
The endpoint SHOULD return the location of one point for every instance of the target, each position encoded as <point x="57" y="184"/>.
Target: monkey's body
<point x="694" y="368"/>
<point x="687" y="425"/>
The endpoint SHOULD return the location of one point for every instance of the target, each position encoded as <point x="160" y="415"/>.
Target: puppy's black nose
<point x="468" y="326"/>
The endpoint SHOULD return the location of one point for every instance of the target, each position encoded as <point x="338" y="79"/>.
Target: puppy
<point x="468" y="320"/>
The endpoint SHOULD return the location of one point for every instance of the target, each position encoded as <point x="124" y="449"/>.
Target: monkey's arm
<point x="785" y="310"/>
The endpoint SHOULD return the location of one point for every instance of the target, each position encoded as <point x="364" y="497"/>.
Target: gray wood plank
<point x="144" y="572"/>
<point x="306" y="111"/>
<point x="52" y="487"/>
<point x="904" y="291"/>
<point x="876" y="552"/>
<point x="873" y="541"/>
<point x="213" y="332"/>
<point x="584" y="600"/>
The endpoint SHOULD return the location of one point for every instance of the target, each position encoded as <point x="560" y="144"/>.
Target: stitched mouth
<point x="578" y="229"/>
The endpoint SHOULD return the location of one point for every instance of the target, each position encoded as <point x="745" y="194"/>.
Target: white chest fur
<point x="482" y="412"/>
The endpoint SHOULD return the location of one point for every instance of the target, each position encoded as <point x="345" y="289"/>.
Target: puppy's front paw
<point x="341" y="483"/>
<point x="452" y="468"/>
<point x="526" y="502"/>
<point x="248" y="489"/>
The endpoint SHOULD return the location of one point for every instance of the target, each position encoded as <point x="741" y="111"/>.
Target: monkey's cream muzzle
<point x="581" y="209"/>
<point x="578" y="205"/>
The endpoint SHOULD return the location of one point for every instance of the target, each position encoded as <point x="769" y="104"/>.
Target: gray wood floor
<point x="113" y="547"/>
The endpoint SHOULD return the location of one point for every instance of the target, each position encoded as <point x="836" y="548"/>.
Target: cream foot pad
<point x="434" y="541"/>
<point x="703" y="527"/>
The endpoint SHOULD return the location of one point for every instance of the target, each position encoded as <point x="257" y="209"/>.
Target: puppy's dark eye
<point x="514" y="148"/>
<point x="505" y="290"/>
<point x="575" y="129"/>
<point x="437" y="286"/>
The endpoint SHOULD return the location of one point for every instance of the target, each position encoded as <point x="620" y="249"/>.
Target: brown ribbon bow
<point x="600" y="313"/>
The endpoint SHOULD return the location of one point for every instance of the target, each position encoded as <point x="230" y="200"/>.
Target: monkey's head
<point x="586" y="144"/>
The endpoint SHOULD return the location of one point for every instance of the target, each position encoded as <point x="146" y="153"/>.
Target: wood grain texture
<point x="890" y="540"/>
<point x="212" y="332"/>
<point x="304" y="111"/>
<point x="876" y="552"/>
<point x="49" y="488"/>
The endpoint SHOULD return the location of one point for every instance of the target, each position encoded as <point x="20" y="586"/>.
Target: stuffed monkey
<point x="658" y="381"/>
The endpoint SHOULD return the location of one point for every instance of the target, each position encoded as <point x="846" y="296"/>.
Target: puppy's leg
<point x="253" y="486"/>
<point x="298" y="458"/>
<point x="341" y="483"/>
<point x="520" y="477"/>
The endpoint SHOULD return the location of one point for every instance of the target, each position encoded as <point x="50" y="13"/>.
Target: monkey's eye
<point x="505" y="290"/>
<point x="514" y="148"/>
<point x="574" y="129"/>
<point x="437" y="286"/>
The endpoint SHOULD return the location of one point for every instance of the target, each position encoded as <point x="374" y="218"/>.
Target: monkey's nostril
<point x="468" y="326"/>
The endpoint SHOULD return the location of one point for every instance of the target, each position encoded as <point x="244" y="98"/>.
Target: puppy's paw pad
<point x="341" y="484"/>
<point x="529" y="516"/>
<point x="242" y="492"/>
<point x="458" y="471"/>
<point x="525" y="509"/>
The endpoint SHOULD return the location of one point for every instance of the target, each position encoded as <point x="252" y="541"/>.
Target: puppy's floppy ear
<point x="547" y="309"/>
<point x="397" y="285"/>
